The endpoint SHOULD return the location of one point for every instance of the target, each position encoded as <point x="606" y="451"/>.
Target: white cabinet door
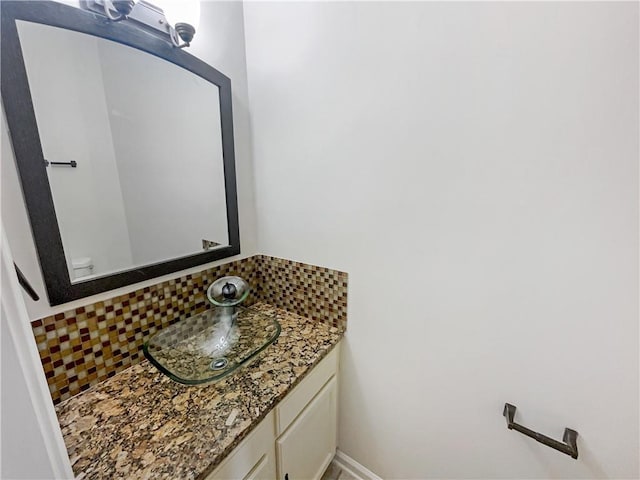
<point x="299" y="398"/>
<point x="306" y="448"/>
<point x="253" y="459"/>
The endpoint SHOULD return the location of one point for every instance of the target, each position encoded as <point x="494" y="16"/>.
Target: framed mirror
<point x="124" y="148"/>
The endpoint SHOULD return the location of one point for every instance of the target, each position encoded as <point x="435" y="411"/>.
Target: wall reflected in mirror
<point x="145" y="134"/>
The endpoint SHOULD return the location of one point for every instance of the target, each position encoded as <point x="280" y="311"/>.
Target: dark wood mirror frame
<point x="29" y="156"/>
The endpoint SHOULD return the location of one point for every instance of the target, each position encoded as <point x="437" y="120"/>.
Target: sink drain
<point x="219" y="363"/>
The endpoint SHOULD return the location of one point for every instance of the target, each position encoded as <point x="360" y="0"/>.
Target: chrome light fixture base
<point x="144" y="15"/>
<point x="114" y="10"/>
<point x="123" y="7"/>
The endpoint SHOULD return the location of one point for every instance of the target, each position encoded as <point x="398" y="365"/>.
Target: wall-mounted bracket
<point x="72" y="163"/>
<point x="569" y="447"/>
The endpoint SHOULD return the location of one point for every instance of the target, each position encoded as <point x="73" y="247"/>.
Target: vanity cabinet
<point x="297" y="439"/>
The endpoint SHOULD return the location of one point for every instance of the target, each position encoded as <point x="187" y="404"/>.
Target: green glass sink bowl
<point x="212" y="344"/>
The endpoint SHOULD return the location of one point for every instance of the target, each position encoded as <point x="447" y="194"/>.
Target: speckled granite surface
<point x="140" y="424"/>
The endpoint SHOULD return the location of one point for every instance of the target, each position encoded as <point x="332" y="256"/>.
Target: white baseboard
<point x="353" y="468"/>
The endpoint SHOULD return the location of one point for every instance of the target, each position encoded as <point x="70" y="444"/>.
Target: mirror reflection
<point x="133" y="149"/>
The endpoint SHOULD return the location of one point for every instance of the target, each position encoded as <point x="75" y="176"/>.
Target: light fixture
<point x="183" y="17"/>
<point x="114" y="10"/>
<point x="175" y="20"/>
<point x="123" y="7"/>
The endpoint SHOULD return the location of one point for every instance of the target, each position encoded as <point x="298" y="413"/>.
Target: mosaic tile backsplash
<point x="82" y="347"/>
<point x="307" y="290"/>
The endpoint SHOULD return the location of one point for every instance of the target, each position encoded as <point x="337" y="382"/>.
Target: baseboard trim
<point x="353" y="468"/>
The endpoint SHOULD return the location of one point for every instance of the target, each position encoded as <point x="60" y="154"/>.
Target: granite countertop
<point x="140" y="424"/>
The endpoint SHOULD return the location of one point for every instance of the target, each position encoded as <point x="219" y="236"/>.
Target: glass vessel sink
<point x="212" y="344"/>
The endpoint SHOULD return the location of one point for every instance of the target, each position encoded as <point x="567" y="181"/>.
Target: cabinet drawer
<point x="302" y="394"/>
<point x="253" y="459"/>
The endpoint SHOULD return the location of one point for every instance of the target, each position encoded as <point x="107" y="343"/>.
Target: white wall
<point x="65" y="80"/>
<point x="219" y="42"/>
<point x="474" y="167"/>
